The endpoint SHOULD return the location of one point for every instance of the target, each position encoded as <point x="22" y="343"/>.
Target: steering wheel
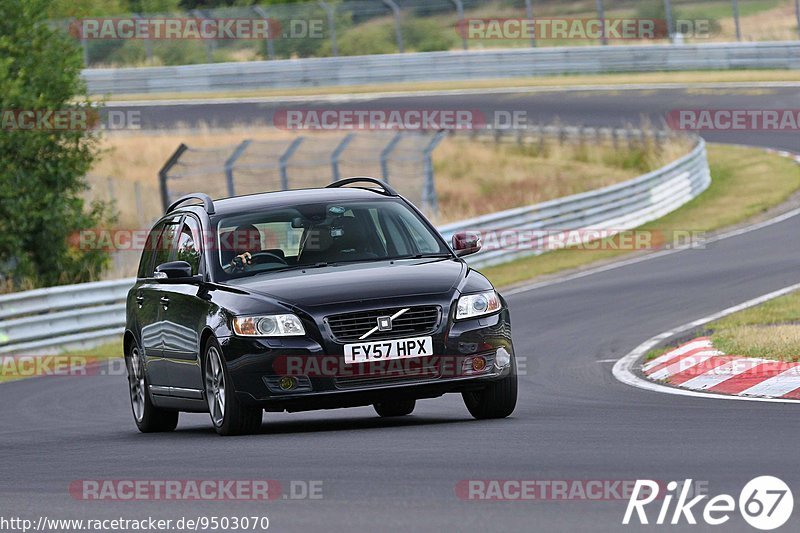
<point x="266" y="257"/>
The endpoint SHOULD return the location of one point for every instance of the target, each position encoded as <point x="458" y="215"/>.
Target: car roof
<point x="251" y="202"/>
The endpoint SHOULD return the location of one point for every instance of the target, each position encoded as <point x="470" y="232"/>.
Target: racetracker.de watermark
<point x="177" y="28"/>
<point x="379" y="119"/>
<point x="28" y="366"/>
<point x="588" y="239"/>
<point x="734" y="119"/>
<point x="194" y="489"/>
<point x="69" y="119"/>
<point x="614" y="29"/>
<point x="532" y="490"/>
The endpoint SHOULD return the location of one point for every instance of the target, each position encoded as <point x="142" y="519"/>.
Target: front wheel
<point x="395" y="408"/>
<point x="497" y="400"/>
<point x="148" y="417"/>
<point x="228" y="415"/>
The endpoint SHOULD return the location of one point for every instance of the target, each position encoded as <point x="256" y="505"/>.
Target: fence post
<point x="736" y="20"/>
<point x="137" y="192"/>
<point x="397" y="28"/>
<point x="461" y="23"/>
<point x="338" y="152"/>
<point x="797" y="15"/>
<point x="162" y="174"/>
<point x="429" y="199"/>
<point x="529" y="14"/>
<point x="148" y="44"/>
<point x="386" y="152"/>
<point x="270" y="45"/>
<point x="85" y="51"/>
<point x="332" y="25"/>
<point x="601" y="15"/>
<point x="112" y="195"/>
<point x="210" y="43"/>
<point x="284" y="161"/>
<point x="668" y="11"/>
<point x="231" y="161"/>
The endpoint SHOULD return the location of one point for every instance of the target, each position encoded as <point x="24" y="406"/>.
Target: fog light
<point x="287" y="383"/>
<point x="478" y="364"/>
<point x="503" y="358"/>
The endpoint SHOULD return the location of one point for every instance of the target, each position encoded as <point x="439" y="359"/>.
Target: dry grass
<point x="781" y="342"/>
<point x="776" y="24"/>
<point x="495" y="177"/>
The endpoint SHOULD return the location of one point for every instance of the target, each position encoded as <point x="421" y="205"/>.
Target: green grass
<point x="770" y="330"/>
<point x="745" y="182"/>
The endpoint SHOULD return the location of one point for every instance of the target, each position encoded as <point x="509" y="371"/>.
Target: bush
<point x="426" y="35"/>
<point x="42" y="171"/>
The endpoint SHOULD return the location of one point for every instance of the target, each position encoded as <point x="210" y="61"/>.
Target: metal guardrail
<point x="617" y="207"/>
<point x="45" y="320"/>
<point x="441" y="66"/>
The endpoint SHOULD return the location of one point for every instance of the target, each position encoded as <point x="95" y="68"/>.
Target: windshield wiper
<point x="282" y="269"/>
<point x="321" y="264"/>
<point x="425" y="256"/>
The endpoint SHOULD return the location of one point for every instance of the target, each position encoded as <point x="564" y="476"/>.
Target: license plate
<point x="365" y="352"/>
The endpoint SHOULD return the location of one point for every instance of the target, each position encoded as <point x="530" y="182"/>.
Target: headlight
<point x="472" y="305"/>
<point x="268" y="326"/>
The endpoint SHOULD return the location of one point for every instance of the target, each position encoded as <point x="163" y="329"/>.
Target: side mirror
<point x="174" y="270"/>
<point x="466" y="243"/>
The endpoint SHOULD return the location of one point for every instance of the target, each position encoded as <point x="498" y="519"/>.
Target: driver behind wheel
<point x="244" y="241"/>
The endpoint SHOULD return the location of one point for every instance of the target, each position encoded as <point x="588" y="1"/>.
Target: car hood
<point x="357" y="282"/>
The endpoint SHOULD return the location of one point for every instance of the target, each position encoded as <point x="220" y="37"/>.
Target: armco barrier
<point x="46" y="320"/>
<point x="442" y="66"/>
<point x="621" y="206"/>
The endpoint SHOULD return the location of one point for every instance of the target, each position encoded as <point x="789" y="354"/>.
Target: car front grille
<point x="418" y="320"/>
<point x="377" y="380"/>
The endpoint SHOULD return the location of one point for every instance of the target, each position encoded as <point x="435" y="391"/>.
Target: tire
<point x="148" y="417"/>
<point x="497" y="400"/>
<point x="228" y="415"/>
<point x="395" y="408"/>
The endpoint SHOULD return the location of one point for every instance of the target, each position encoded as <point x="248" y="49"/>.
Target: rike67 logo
<point x="765" y="503"/>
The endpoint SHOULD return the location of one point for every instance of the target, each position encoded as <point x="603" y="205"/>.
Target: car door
<point x="184" y="316"/>
<point x="154" y="297"/>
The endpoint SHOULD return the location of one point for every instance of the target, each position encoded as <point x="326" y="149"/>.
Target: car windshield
<point x="320" y="234"/>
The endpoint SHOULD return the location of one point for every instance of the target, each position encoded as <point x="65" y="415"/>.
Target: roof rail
<point x="208" y="203"/>
<point x="387" y="189"/>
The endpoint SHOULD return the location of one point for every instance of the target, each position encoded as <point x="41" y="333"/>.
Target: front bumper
<point x="468" y="355"/>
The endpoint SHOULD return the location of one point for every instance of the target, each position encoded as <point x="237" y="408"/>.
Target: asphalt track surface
<point x="574" y="421"/>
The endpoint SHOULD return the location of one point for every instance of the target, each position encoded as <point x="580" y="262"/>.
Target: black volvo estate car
<point x="310" y="299"/>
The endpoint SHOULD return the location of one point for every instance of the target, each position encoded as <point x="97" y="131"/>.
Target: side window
<point x="146" y="262"/>
<point x="165" y="244"/>
<point x="422" y="239"/>
<point x="396" y="236"/>
<point x="189" y="244"/>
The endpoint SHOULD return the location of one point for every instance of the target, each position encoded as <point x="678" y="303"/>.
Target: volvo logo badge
<point x="384" y="323"/>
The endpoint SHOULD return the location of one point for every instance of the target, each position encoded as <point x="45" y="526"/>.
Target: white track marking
<point x="783" y="383"/>
<point x="729" y="370"/>
<point x="623" y="369"/>
<point x="688" y="347"/>
<point x="684" y="364"/>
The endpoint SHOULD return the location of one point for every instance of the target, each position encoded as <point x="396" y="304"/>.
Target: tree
<point x="42" y="169"/>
